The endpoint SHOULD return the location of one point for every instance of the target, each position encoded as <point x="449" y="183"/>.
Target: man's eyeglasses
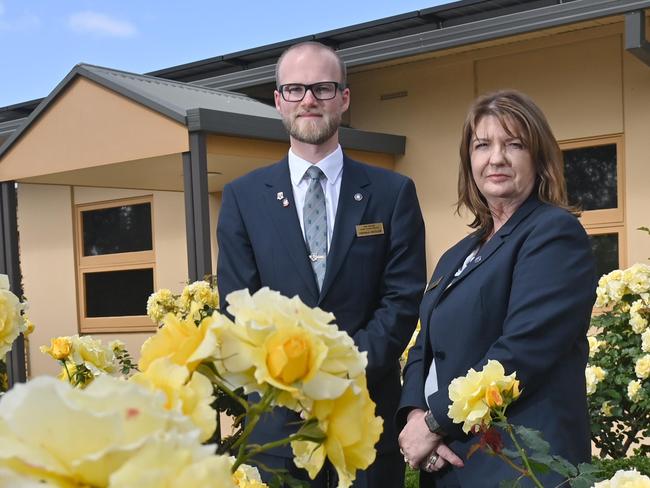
<point x="324" y="90"/>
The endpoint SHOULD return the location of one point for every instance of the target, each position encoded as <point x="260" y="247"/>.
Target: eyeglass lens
<point x="295" y="92"/>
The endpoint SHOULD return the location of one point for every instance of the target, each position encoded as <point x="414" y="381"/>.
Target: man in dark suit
<point x="342" y="235"/>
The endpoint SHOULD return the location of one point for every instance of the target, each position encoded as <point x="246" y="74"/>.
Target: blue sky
<point x="43" y="39"/>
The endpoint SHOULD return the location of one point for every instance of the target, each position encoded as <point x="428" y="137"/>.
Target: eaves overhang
<point x="438" y="39"/>
<point x="233" y="124"/>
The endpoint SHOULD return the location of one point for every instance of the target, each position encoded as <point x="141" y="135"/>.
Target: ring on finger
<point x="432" y="459"/>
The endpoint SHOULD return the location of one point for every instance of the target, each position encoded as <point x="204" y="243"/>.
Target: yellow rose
<point x="186" y="343"/>
<point x="174" y="463"/>
<point x="642" y="367"/>
<point x="474" y="394"/>
<point x="594" y="345"/>
<point x="292" y="354"/>
<point x="645" y="341"/>
<point x="247" y="476"/>
<point x="281" y="343"/>
<point x="199" y="293"/>
<point x="637" y="320"/>
<point x="161" y="303"/>
<point x="60" y="348"/>
<point x="29" y="326"/>
<point x="87" y="434"/>
<point x="637" y="278"/>
<point x="593" y="376"/>
<point x="633" y="389"/>
<point x="11" y="321"/>
<point x="93" y="354"/>
<point x="493" y="396"/>
<point x="606" y="409"/>
<point x="351" y="430"/>
<point x="192" y="395"/>
<point x="625" y="479"/>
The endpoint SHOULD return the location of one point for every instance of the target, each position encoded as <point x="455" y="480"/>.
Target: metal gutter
<point x="635" y="40"/>
<point x="449" y="37"/>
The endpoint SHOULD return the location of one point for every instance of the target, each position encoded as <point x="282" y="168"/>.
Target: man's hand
<point x="419" y="445"/>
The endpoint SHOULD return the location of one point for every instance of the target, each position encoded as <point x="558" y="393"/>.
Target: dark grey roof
<point x="198" y="108"/>
<point x="172" y="97"/>
<point x="434" y="18"/>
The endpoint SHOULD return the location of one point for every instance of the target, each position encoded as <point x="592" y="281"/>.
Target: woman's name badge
<point x="364" y="230"/>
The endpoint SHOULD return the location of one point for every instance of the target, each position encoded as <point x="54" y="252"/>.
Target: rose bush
<point x="618" y="373"/>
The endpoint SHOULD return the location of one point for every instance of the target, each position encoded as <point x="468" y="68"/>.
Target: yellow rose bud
<point x="29" y="327"/>
<point x="288" y="357"/>
<point x="493" y="397"/>
<point x="60" y="348"/>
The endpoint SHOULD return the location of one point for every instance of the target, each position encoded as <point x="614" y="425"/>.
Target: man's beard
<point x="314" y="132"/>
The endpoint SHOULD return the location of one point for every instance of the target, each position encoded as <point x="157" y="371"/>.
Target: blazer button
<point x="439" y="355"/>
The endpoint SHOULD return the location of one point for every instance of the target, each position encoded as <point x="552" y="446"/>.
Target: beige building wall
<point x="636" y="97"/>
<point x="583" y="80"/>
<point x="45" y="215"/>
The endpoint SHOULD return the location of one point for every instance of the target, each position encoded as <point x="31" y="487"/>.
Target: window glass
<point x="117" y="229"/>
<point x="118" y="293"/>
<point x="590" y="174"/>
<point x="605" y="247"/>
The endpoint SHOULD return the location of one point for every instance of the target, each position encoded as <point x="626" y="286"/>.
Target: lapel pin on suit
<point x="358" y="197"/>
<point x="280" y="195"/>
<point x="285" y="202"/>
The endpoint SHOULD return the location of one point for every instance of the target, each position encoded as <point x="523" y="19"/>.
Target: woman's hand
<point x="420" y="446"/>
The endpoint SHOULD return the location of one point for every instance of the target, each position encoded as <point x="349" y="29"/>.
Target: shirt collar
<point x="331" y="165"/>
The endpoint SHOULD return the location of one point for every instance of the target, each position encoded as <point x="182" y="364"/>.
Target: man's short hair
<point x="316" y="45"/>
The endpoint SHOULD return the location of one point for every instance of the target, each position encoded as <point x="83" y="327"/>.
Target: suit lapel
<point x="349" y="212"/>
<point x="284" y="217"/>
<point x="497" y="240"/>
<point x="441" y="282"/>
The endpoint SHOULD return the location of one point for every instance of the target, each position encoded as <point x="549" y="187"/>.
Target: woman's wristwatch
<point x="433" y="424"/>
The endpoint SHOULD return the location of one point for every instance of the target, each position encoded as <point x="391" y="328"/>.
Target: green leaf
<point x="538" y="468"/>
<point x="532" y="438"/>
<point x="563" y="467"/>
<point x="511" y="453"/>
<point x="310" y="431"/>
<point x="613" y="394"/>
<point x="587" y="468"/>
<point x="581" y="481"/>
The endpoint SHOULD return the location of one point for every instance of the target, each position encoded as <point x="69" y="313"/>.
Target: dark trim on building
<point x="232" y="124"/>
<point x="10" y="265"/>
<point x="197" y="212"/>
<point x="635" y="40"/>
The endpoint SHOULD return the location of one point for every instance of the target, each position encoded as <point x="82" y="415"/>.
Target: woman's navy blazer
<point x="526" y="301"/>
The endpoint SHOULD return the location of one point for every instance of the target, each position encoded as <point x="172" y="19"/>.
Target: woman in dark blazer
<point x="519" y="290"/>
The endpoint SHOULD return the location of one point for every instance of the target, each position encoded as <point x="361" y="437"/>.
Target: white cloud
<point x="101" y="24"/>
